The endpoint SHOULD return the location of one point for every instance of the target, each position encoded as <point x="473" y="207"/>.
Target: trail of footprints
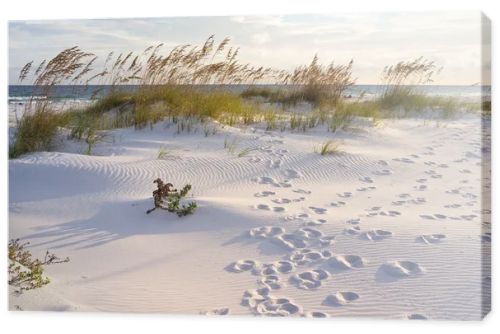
<point x="310" y="261"/>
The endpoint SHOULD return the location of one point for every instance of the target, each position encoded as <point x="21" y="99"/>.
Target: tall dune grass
<point x="400" y="83"/>
<point x="187" y="86"/>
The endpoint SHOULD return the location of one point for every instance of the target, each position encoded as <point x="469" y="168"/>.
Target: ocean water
<point x="18" y="94"/>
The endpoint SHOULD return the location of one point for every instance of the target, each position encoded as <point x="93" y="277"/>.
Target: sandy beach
<point x="394" y="225"/>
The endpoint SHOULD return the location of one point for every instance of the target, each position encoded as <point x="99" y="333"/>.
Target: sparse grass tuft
<point x="162" y="153"/>
<point x="244" y="152"/>
<point x="327" y="148"/>
<point x="35" y="132"/>
<point x="230" y="144"/>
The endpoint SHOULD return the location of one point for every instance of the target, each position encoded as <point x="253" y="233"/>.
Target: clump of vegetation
<point x="400" y="83"/>
<point x="327" y="148"/>
<point x="162" y="153"/>
<point x="38" y="125"/>
<point x="319" y="84"/>
<point x="25" y="272"/>
<point x="167" y="198"/>
<point x="244" y="152"/>
<point x="322" y="86"/>
<point x="230" y="144"/>
<point x="35" y="132"/>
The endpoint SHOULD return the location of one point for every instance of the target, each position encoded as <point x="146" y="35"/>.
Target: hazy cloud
<point x="373" y="40"/>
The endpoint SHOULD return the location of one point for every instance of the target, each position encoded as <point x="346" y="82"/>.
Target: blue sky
<point x="373" y="40"/>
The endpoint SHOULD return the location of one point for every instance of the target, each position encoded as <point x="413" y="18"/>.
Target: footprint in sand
<point x="303" y="238"/>
<point x="405" y="160"/>
<point x="272" y="282"/>
<point x="292" y="174"/>
<point x="421" y="180"/>
<point x="468" y="217"/>
<point x="275" y="268"/>
<point x="453" y="191"/>
<point x="383" y="163"/>
<point x="420" y="187"/>
<point x="302" y="191"/>
<point x="398" y="203"/>
<point x="434" y="216"/>
<point x="282" y="201"/>
<point x="382" y="172"/>
<point x="266" y="149"/>
<point x="443" y="166"/>
<point x="316" y="314"/>
<point x="217" y="311"/>
<point x="431" y="238"/>
<point x="270" y="181"/>
<point x="274" y="163"/>
<point x="375" y="235"/>
<point x="262" y="303"/>
<point x="327" y="240"/>
<point x="390" y="213"/>
<point x="266" y="232"/>
<point x="405" y="195"/>
<point x="308" y="233"/>
<point x="242" y="265"/>
<point x="416" y="316"/>
<point x="307" y="256"/>
<point x="309" y="280"/>
<point x="354" y="221"/>
<point x="298" y="216"/>
<point x="316" y="222"/>
<point x="340" y="298"/>
<point x="465" y="171"/>
<point x="363" y="189"/>
<point x="269" y="208"/>
<point x="366" y="179"/>
<point x="265" y="194"/>
<point x="291" y="241"/>
<point x="254" y="160"/>
<point x="337" y="204"/>
<point x="418" y="201"/>
<point x="345" y="194"/>
<point x="401" y="269"/>
<point x="355" y="230"/>
<point x="300" y="199"/>
<point x="318" y="211"/>
<point x="343" y="262"/>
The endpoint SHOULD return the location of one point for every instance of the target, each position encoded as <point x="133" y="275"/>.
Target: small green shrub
<point x="26" y="273"/>
<point x="169" y="199"/>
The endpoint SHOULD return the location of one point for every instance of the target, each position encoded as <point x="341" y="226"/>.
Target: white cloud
<point x="261" y="38"/>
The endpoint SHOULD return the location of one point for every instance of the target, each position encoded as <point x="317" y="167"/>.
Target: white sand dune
<point x="394" y="226"/>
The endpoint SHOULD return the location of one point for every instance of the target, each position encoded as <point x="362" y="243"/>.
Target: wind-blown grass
<point x="400" y="82"/>
<point x="327" y="148"/>
<point x="35" y="132"/>
<point x="187" y="86"/>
